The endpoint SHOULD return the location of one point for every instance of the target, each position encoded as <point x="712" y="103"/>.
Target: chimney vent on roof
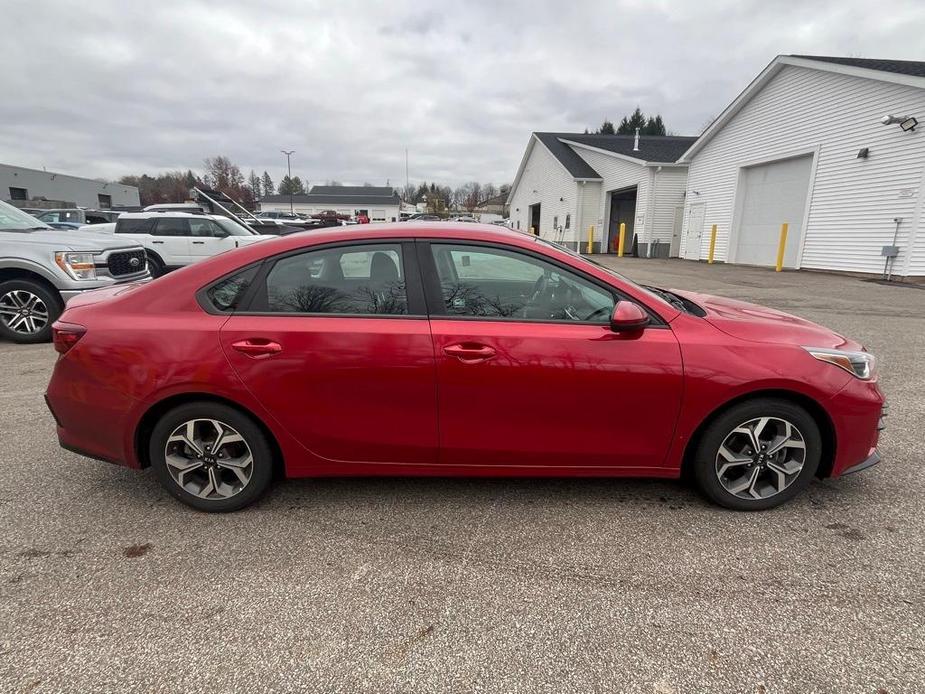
<point x="636" y="141"/>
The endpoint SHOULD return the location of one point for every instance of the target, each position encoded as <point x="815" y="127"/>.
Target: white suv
<point x="175" y="239"/>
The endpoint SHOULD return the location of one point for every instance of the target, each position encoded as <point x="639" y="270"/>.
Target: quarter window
<point x="227" y="294"/>
<point x="362" y="280"/>
<point x="496" y="283"/>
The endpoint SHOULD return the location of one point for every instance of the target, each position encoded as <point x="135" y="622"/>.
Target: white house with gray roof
<point x="379" y="203"/>
<point x="806" y="144"/>
<point x="570" y="186"/>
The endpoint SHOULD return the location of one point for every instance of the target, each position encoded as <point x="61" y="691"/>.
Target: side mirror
<point x="627" y="317"/>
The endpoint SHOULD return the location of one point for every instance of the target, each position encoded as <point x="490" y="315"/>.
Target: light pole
<point x="289" y="169"/>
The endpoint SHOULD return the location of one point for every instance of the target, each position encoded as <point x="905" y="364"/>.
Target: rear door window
<point x="358" y="280"/>
<point x="172" y="226"/>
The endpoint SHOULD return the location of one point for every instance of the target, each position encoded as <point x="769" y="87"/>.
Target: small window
<point x="226" y="294"/>
<point x="172" y="226"/>
<point x="363" y="280"/>
<point x="568" y="221"/>
<point x="496" y="283"/>
<point x="105" y="201"/>
<point x="18" y="193"/>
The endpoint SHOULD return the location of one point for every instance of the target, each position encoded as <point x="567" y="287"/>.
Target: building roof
<point x="906" y="72"/>
<point x="660" y="148"/>
<point x="567" y="156"/>
<point x="341" y="195"/>
<point x="496" y="200"/>
<point x="914" y="68"/>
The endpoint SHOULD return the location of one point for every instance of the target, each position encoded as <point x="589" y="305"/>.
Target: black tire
<point x="704" y="463"/>
<point x="261" y="472"/>
<point x="49" y="297"/>
<point x="155" y="266"/>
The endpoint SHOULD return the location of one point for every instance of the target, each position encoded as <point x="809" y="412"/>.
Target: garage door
<point x="773" y="194"/>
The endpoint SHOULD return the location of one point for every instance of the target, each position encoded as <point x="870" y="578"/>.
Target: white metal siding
<point x="589" y="202"/>
<point x="853" y="201"/>
<point x="617" y="174"/>
<point x="670" y="184"/>
<point x="545" y="181"/>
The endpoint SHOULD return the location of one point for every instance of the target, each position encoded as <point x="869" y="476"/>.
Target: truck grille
<point x="127" y="263"/>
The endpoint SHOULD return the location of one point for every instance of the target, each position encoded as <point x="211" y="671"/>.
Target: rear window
<point x="134" y="225"/>
<point x="226" y="294"/>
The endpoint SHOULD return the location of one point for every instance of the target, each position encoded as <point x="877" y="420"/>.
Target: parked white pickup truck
<point x="175" y="239"/>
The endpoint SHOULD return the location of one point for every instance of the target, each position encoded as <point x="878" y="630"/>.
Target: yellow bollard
<point x="590" y="239"/>
<point x="622" y="239"/>
<point x="712" y="244"/>
<point x="781" y="247"/>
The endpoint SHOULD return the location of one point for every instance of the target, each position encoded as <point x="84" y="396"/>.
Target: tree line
<point x="648" y="125"/>
<point x="439" y="198"/>
<point x="222" y="174"/>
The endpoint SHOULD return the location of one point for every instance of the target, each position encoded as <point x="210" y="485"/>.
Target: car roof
<point x="169" y="213"/>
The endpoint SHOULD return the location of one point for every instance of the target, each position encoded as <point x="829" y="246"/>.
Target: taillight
<point x="66" y="335"/>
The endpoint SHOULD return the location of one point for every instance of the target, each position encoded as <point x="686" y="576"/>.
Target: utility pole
<point x="289" y="170"/>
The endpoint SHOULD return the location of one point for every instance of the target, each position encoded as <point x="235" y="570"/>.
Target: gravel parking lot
<point x="358" y="585"/>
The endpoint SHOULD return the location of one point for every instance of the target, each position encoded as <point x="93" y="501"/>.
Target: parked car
<point x="41" y="269"/>
<point x="174" y="239"/>
<point x="422" y="217"/>
<point x="323" y="354"/>
<point x="77" y="216"/>
<point x="190" y="207"/>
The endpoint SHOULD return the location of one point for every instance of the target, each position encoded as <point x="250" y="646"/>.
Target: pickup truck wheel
<point x="155" y="266"/>
<point x="27" y="310"/>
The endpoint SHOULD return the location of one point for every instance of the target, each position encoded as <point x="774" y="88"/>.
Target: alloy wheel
<point x="209" y="459"/>
<point x="760" y="458"/>
<point x="23" y="312"/>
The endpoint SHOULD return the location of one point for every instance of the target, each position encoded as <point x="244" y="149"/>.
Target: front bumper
<point x="871" y="460"/>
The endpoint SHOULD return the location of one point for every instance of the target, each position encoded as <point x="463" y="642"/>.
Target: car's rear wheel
<point x="27" y="310"/>
<point x="758" y="454"/>
<point x="211" y="456"/>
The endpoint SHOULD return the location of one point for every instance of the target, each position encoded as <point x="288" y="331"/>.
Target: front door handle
<point x="258" y="348"/>
<point x="198" y="243"/>
<point x="157" y="242"/>
<point x="470" y="353"/>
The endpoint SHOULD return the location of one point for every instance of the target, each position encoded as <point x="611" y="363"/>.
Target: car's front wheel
<point x="27" y="310"/>
<point x="211" y="456"/>
<point x="758" y="454"/>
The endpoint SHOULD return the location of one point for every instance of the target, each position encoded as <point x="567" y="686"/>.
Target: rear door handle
<point x="198" y="243"/>
<point x="469" y="353"/>
<point x="258" y="348"/>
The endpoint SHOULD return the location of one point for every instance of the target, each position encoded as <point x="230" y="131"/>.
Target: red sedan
<point x="464" y="349"/>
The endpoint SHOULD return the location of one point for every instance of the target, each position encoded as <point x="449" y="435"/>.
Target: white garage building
<point x="568" y="183"/>
<point x="804" y="145"/>
<point x="379" y="203"/>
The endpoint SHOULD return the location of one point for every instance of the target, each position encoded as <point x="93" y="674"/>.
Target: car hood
<point x="755" y="323"/>
<point x="65" y="240"/>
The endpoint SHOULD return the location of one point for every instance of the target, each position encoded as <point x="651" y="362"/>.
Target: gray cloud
<point x="109" y="87"/>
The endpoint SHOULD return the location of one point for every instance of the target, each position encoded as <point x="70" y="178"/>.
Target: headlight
<point x="863" y="365"/>
<point x="79" y="266"/>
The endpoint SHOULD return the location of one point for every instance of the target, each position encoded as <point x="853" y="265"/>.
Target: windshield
<point x="659" y="295"/>
<point x="12" y="219"/>
<point x="232" y="227"/>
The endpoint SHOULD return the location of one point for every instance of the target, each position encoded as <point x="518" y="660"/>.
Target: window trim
<point x="436" y="308"/>
<point x="417" y="309"/>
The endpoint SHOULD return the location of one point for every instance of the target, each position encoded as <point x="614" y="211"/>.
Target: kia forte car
<point x="451" y="349"/>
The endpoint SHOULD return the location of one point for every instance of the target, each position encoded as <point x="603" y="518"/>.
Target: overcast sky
<point x="106" y="88"/>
